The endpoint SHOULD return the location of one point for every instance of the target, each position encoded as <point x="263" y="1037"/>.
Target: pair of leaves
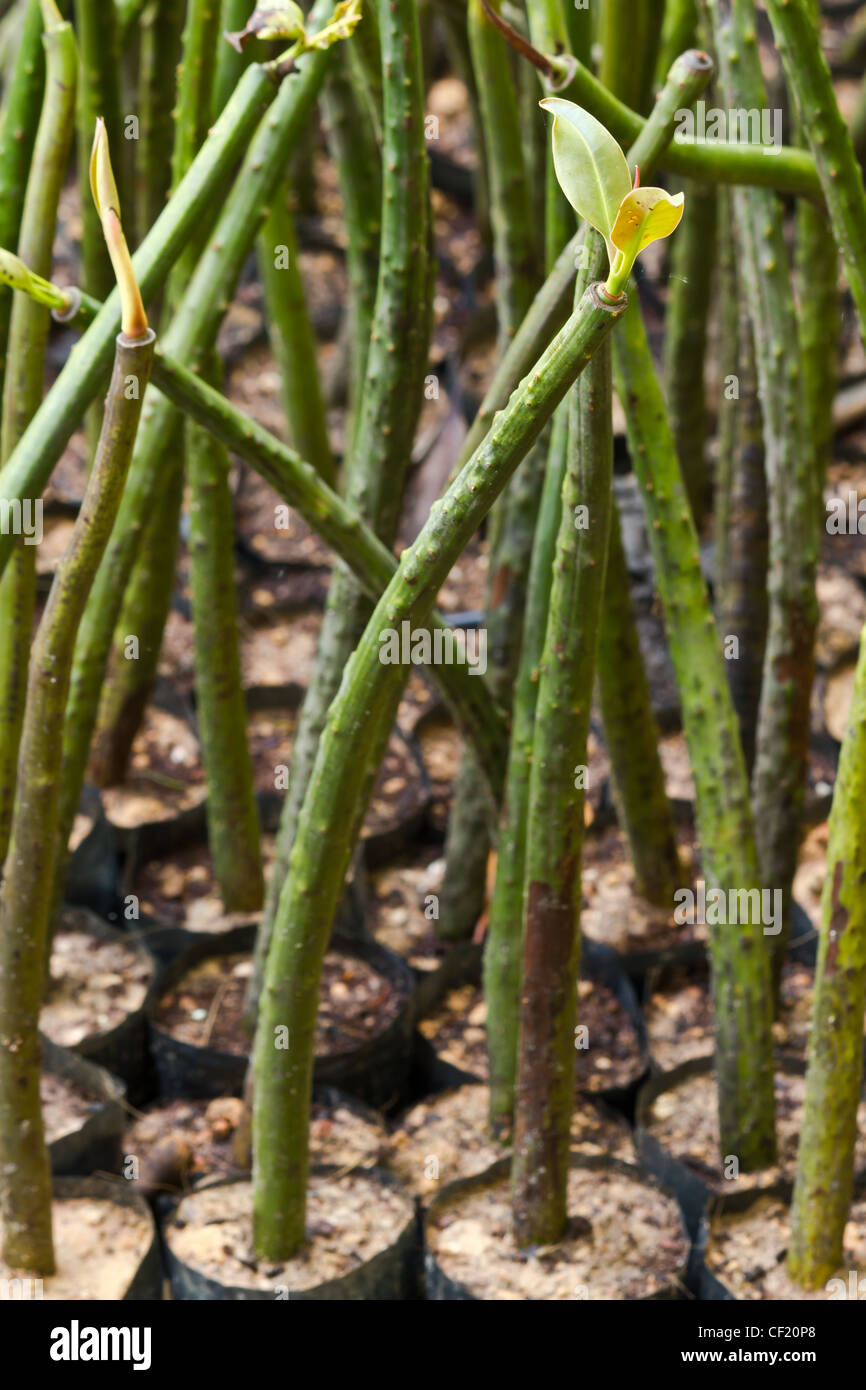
<point x="594" y="176"/>
<point x="286" y="22"/>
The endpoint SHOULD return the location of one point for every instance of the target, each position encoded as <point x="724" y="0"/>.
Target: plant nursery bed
<point x="626" y="1241"/>
<point x="361" y="1235"/>
<point x="180" y="1142"/>
<point x="105" y="1245"/>
<point x="451" y="1130"/>
<point x="744" y="1242"/>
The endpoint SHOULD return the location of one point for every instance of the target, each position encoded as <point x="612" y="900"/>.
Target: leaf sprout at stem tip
<point x="593" y="173"/>
<point x="133" y="317"/>
<point x="286" y="21"/>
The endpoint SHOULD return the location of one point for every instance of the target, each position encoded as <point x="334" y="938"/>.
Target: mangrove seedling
<point x="27" y="898"/>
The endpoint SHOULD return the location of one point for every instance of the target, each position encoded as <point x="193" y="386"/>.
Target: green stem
<point x="160" y="38"/>
<point x="502" y="948"/>
<point x="554" y="841"/>
<point x="740" y="958"/>
<point x="29" y="468"/>
<point x="792" y="485"/>
<point x="632" y="739"/>
<point x="453" y="23"/>
<point x="20" y="117"/>
<point x="341" y="779"/>
<point x="838" y="170"/>
<point x="232" y="814"/>
<point x="25" y="1172"/>
<point x="332" y="518"/>
<point x="147" y="600"/>
<point x="192" y="120"/>
<point x="825" y="1161"/>
<point x="129" y="678"/>
<point x="230" y="64"/>
<point x="513" y="226"/>
<point x="23" y="385"/>
<point x="687" y="78"/>
<point x="817" y="267"/>
<point x="627" y="67"/>
<point x="741" y="528"/>
<point x="392" y="399"/>
<point x="782" y="167"/>
<point x="98" y="95"/>
<point x="292" y="338"/>
<point x="354" y="145"/>
<point x="128" y="12"/>
<point x="678" y="31"/>
<point x="513" y="519"/>
<point x="692" y="256"/>
<point x="191" y="336"/>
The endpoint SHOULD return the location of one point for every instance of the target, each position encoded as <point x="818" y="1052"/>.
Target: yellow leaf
<point x="645" y="215"/>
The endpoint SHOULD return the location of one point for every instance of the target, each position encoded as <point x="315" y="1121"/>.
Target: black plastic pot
<point x="441" y="1288"/>
<point x="146" y="1285"/>
<point x="802" y="948"/>
<point x="376" y="1072"/>
<point x="96" y="1144"/>
<point x="391" y="1276"/>
<point x="460" y="966"/>
<point x="167" y="943"/>
<point x="598" y="963"/>
<point x="702" y="1282"/>
<point x="93" y="878"/>
<point x="638" y="964"/>
<point x="692" y="1192"/>
<point x="172" y="831"/>
<point x="124" y="1049"/>
<point x="390" y="839"/>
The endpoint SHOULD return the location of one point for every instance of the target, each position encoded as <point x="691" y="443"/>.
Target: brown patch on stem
<point x="838" y="919"/>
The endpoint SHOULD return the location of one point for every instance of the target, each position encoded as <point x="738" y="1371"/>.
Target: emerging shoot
<point x="133" y="320"/>
<point x="594" y="176"/>
<point x="286" y="21"/>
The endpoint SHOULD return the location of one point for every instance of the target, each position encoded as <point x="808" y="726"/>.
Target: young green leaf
<point x="133" y="316"/>
<point x="589" y="164"/>
<point x="102" y="182"/>
<point x="342" y="25"/>
<point x="284" y="21"/>
<point x="645" y="215"/>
